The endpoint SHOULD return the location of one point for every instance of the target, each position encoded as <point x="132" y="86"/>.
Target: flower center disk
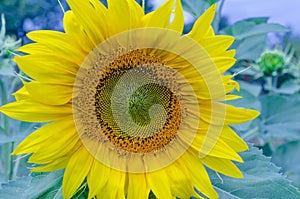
<point x="135" y="108"/>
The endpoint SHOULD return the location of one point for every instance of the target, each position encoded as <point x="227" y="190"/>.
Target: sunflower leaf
<point x="278" y="119"/>
<point x="250" y="35"/>
<point x="261" y="180"/>
<point x="32" y="187"/>
<point x="287" y="156"/>
<point x="196" y="8"/>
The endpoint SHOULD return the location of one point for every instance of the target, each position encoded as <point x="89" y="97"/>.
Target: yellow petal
<point x="230" y="53"/>
<point x="57" y="164"/>
<point x="235" y="115"/>
<point x="21" y="94"/>
<point x="233" y="140"/>
<point x="223" y="63"/>
<point x="34" y="48"/>
<point x="50" y="93"/>
<point x="76" y="171"/>
<point x="199" y="175"/>
<point x="136" y="12"/>
<point x="97" y="178"/>
<point x="119" y="13"/>
<point x="51" y="149"/>
<point x="218" y="148"/>
<point x="58" y="43"/>
<point x="31" y="111"/>
<point x="53" y="131"/>
<point x="93" y="19"/>
<point x="127" y="14"/>
<point x="202" y="25"/>
<point x="230" y="84"/>
<point x="114" y="188"/>
<point x="160" y="17"/>
<point x="47" y="68"/>
<point x="181" y="184"/>
<point x="161" y="189"/>
<point x="76" y="32"/>
<point x="232" y="97"/>
<point x="223" y="166"/>
<point x="137" y="186"/>
<point x="224" y="113"/>
<point x="178" y="22"/>
<point x="216" y="45"/>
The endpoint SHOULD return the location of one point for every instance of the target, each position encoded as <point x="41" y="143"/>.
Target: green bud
<point x="271" y="62"/>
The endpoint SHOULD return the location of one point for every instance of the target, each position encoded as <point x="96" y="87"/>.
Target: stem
<point x="14" y="84"/>
<point x="16" y="167"/>
<point x="274" y="82"/>
<point x="250" y="133"/>
<point x="11" y="163"/>
<point x="144" y="5"/>
<point x="4" y="101"/>
<point x="7" y="148"/>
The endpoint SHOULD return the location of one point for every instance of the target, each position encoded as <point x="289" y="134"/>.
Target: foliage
<point x="261" y="180"/>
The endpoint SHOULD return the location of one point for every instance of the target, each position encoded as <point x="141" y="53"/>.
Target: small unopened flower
<point x="272" y="62"/>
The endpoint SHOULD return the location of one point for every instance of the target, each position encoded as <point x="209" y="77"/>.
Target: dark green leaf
<point x="280" y="116"/>
<point x="32" y="187"/>
<point x="262" y="29"/>
<point x="289" y="87"/>
<point x="251" y="47"/>
<point x="250" y="35"/>
<point x="287" y="156"/>
<point x="258" y="20"/>
<point x="15" y="189"/>
<point x="7" y="139"/>
<point x="261" y="180"/>
<point x="6" y="67"/>
<point x="211" y="1"/>
<point x="196" y="8"/>
<point x="252" y="27"/>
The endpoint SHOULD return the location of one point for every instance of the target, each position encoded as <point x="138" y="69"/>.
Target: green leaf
<point x="197" y="8"/>
<point x="15" y="189"/>
<point x="258" y="20"/>
<point x="261" y="29"/>
<point x="251" y="48"/>
<point x="211" y="1"/>
<point x="251" y="27"/>
<point x="287" y="156"/>
<point x="21" y="129"/>
<point x="46" y="185"/>
<point x="280" y="116"/>
<point x="7" y="139"/>
<point x="289" y="87"/>
<point x="250" y="35"/>
<point x="261" y="180"/>
<point x="6" y="67"/>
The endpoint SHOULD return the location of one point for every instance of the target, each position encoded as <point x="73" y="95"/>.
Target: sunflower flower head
<point x="133" y="105"/>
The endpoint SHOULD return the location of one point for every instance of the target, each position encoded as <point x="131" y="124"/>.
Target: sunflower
<point x="132" y="106"/>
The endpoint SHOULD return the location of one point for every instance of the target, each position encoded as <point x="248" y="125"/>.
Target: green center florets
<point x="143" y="99"/>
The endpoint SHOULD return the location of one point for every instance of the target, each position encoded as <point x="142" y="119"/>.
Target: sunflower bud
<point x="271" y="62"/>
<point x="7" y="43"/>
